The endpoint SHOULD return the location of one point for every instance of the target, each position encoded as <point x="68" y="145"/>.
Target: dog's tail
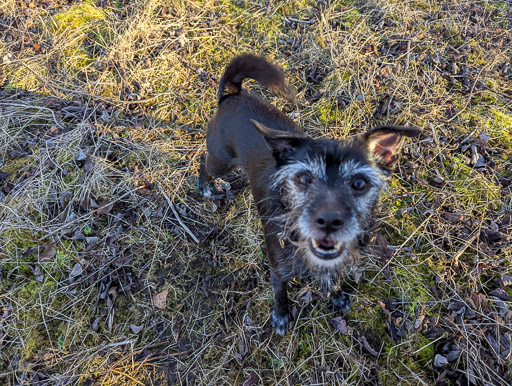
<point x="253" y="67"/>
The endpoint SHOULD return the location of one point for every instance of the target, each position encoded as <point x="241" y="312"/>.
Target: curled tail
<point x="253" y="67"/>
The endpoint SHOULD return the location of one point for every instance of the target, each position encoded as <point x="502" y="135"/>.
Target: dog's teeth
<point x="337" y="246"/>
<point x="314" y="243"/>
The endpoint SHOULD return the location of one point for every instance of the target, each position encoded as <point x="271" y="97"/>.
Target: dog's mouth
<point x="326" y="249"/>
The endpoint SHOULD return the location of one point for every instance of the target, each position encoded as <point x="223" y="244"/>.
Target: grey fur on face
<point x="299" y="205"/>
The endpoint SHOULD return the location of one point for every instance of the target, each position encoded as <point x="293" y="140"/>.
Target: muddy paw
<point x="340" y="300"/>
<point x="280" y="322"/>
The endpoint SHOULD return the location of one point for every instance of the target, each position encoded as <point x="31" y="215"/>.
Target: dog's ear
<point x="385" y="143"/>
<point x="280" y="142"/>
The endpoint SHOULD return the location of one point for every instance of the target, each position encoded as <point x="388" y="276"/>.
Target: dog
<point x="315" y="197"/>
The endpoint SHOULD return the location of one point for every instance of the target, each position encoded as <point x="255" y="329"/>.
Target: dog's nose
<point x="329" y="221"/>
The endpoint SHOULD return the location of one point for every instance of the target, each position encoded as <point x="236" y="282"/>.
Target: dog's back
<point x="232" y="140"/>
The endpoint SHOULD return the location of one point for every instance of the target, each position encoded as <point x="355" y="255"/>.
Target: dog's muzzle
<point x="326" y="249"/>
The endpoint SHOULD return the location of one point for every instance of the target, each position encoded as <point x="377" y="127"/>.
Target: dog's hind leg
<point x="203" y="174"/>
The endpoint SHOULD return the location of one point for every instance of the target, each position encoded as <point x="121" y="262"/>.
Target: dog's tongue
<point x="326" y="244"/>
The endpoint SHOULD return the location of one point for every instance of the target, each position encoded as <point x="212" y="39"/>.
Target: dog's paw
<point x="205" y="191"/>
<point x="340" y="300"/>
<point x="280" y="322"/>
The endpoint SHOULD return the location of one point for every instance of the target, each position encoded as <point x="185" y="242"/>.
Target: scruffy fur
<point x="315" y="197"/>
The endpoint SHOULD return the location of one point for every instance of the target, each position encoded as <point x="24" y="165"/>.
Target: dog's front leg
<point x="339" y="299"/>
<point x="280" y="313"/>
<point x="280" y="274"/>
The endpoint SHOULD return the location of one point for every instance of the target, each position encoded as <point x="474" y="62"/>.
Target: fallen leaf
<point x="160" y="299"/>
<point x="305" y="297"/>
<point x="440" y="361"/>
<point x="506" y="280"/>
<point x="453" y="217"/>
<point x="48" y="253"/>
<point x="78" y="236"/>
<point x="105" y="207"/>
<point x="92" y="240"/>
<point x="339" y="324"/>
<point x="89" y="165"/>
<point x="501" y="294"/>
<point x="385" y="72"/>
<point x="95" y="324"/>
<point x="252" y="379"/>
<point x="136" y="329"/>
<point x="80" y="156"/>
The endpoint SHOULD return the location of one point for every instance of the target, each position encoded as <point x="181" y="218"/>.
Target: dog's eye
<point x="359" y="184"/>
<point x="303" y="179"/>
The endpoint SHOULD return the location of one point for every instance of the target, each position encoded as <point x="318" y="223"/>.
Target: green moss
<point x="17" y="167"/>
<point x="412" y="286"/>
<point x="76" y="16"/>
<point x="351" y="16"/>
<point x="327" y="112"/>
<point x="477" y="57"/>
<point x="472" y="189"/>
<point x="79" y="23"/>
<point x="500" y="128"/>
<point x="426" y="349"/>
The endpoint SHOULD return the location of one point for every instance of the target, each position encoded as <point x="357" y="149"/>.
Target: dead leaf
<point x="89" y="165"/>
<point x="252" y="379"/>
<point x="136" y="329"/>
<point x="339" y="324"/>
<point x="160" y="299"/>
<point x="77" y="270"/>
<point x="385" y="72"/>
<point x="506" y="280"/>
<point x="367" y="346"/>
<point x="105" y="207"/>
<point x="440" y="361"/>
<point x="47" y="254"/>
<point x="453" y="217"/>
<point x="242" y="350"/>
<point x="95" y="324"/>
<point x="80" y="156"/>
<point x="501" y="294"/>
<point x="305" y="297"/>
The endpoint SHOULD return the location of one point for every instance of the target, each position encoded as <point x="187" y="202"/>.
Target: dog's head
<point x="329" y="188"/>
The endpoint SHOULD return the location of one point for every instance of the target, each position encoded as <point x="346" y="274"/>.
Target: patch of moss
<point x="327" y="112"/>
<point x="500" y="128"/>
<point x="472" y="189"/>
<point x="79" y="23"/>
<point x="477" y="57"/>
<point x="76" y="16"/>
<point x="426" y="349"/>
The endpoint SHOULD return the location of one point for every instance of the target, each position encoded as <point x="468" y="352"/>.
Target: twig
<point x="408" y="54"/>
<point x="127" y="376"/>
<point x="178" y="216"/>
<point x="367" y="346"/>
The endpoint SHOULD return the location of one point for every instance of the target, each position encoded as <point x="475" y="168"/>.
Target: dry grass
<point x="103" y="108"/>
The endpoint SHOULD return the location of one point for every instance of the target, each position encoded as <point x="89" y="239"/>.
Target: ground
<point x="114" y="270"/>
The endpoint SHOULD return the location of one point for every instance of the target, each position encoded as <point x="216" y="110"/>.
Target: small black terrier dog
<point x="315" y="197"/>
